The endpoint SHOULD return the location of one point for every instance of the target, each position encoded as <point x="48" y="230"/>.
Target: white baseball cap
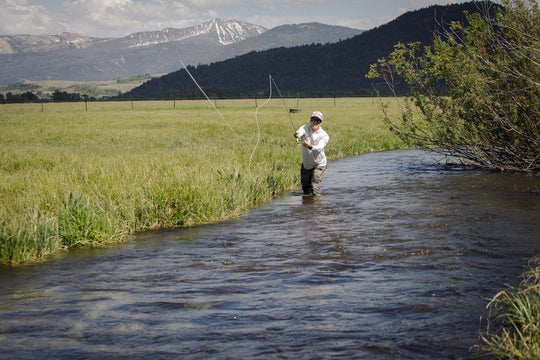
<point x="318" y="115"/>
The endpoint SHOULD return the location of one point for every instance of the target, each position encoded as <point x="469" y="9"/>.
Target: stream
<point x="397" y="260"/>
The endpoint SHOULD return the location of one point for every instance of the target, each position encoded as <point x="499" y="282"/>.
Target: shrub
<point x="475" y="90"/>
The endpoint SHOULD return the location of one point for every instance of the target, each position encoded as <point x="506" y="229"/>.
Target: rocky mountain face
<point x="17" y="44"/>
<point x="71" y="56"/>
<point x="225" y="31"/>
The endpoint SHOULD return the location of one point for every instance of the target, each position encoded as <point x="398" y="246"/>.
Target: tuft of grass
<point x="76" y="176"/>
<point x="513" y="327"/>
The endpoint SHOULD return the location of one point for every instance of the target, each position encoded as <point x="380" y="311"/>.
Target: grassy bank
<point x="513" y="324"/>
<point x="89" y="176"/>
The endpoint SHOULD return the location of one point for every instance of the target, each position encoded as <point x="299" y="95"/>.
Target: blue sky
<point x="115" y="18"/>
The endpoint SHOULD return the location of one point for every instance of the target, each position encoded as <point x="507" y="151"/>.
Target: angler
<point x="313" y="156"/>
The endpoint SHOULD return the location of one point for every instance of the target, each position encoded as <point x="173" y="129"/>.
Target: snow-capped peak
<point x="230" y="31"/>
<point x="225" y="31"/>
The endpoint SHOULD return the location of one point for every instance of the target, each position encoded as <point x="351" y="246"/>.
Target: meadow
<point x="93" y="174"/>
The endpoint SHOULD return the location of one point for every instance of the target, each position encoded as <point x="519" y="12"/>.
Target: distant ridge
<point x="312" y="70"/>
<point x="219" y="31"/>
<point x="77" y="57"/>
<point x="224" y="31"/>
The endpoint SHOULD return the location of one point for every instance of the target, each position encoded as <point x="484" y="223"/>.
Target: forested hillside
<point x="311" y="70"/>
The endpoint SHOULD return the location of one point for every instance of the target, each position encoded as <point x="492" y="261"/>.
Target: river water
<point x="397" y="260"/>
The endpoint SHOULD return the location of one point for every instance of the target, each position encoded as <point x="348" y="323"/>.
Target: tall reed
<point x="89" y="176"/>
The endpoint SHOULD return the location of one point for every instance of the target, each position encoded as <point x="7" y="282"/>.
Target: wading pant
<point x="312" y="179"/>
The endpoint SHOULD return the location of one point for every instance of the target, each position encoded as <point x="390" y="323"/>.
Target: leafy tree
<point x="65" y="96"/>
<point x="476" y="90"/>
<point x="23" y="97"/>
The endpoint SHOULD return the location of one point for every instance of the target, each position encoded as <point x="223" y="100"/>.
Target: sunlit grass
<point x="79" y="174"/>
<point x="514" y="324"/>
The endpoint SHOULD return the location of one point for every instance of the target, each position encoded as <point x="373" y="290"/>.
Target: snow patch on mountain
<point x="226" y="31"/>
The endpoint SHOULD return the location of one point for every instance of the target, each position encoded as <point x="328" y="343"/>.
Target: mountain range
<point x="71" y="56"/>
<point x="312" y="70"/>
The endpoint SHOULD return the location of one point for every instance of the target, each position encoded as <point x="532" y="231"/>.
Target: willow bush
<point x="475" y="90"/>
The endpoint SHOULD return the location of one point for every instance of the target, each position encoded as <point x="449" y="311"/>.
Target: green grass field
<point x="77" y="174"/>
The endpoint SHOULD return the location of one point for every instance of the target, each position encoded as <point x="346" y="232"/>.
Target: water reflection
<point x="396" y="260"/>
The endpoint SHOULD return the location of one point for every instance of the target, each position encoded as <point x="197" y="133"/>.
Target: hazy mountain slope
<point x="75" y="57"/>
<point x="296" y="35"/>
<point x="17" y="44"/>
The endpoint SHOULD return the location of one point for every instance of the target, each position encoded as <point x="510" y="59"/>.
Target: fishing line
<point x="285" y="106"/>
<point x="257" y="121"/>
<point x="213" y="104"/>
<point x="271" y="81"/>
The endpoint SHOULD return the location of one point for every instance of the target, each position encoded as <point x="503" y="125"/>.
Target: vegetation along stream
<point x="397" y="260"/>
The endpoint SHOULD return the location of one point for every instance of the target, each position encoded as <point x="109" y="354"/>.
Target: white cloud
<point x="101" y="18"/>
<point x="108" y="18"/>
<point x="18" y="17"/>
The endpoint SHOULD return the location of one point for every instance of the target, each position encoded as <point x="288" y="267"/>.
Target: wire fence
<point x="294" y="104"/>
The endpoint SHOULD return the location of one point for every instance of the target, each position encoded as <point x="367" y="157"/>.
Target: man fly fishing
<point x="314" y="139"/>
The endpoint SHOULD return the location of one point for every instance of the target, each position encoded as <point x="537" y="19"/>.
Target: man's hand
<point x="306" y="144"/>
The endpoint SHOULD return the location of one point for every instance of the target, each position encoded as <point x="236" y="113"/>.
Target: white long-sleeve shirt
<point x="318" y="139"/>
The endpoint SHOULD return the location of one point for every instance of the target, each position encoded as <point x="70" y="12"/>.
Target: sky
<point x="117" y="18"/>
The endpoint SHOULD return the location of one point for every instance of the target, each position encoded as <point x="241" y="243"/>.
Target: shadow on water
<point x="396" y="260"/>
